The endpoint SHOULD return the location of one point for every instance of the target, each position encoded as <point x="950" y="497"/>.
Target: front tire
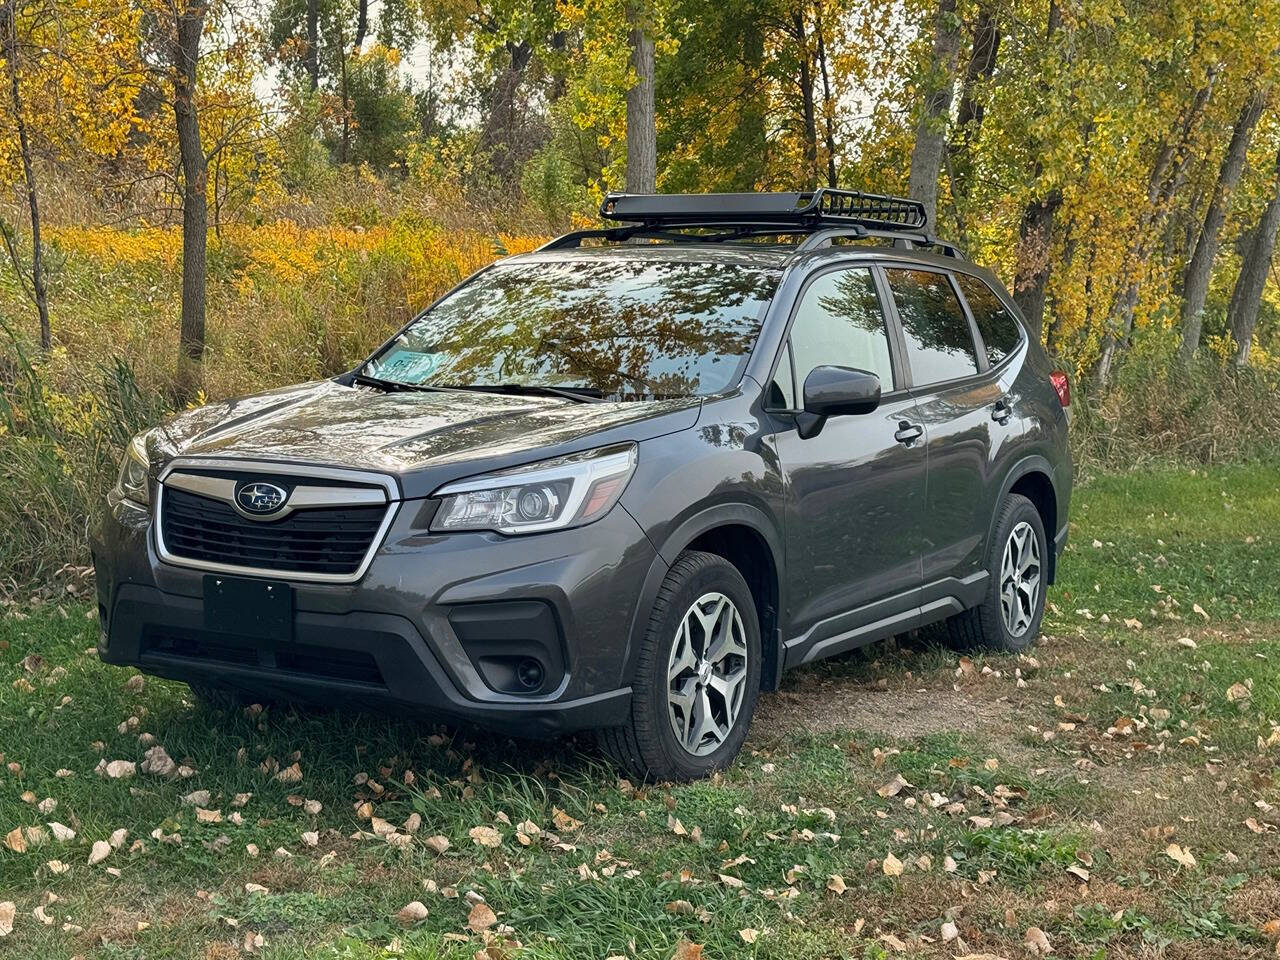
<point x="1017" y="561"/>
<point x="697" y="676"/>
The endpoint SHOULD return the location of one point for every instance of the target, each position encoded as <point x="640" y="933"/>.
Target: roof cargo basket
<point x="819" y="217"/>
<point x="823" y="207"/>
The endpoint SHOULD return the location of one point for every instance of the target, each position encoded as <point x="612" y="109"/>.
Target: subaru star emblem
<point x="260" y="498"/>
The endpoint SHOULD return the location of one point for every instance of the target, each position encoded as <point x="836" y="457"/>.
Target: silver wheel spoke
<point x="707" y="674"/>
<point x="1020" y="579"/>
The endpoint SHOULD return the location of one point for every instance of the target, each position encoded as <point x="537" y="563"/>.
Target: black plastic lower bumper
<point x="365" y="660"/>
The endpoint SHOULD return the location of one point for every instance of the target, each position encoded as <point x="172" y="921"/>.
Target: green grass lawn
<point x="1112" y="791"/>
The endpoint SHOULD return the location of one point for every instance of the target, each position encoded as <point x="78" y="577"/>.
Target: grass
<point x="1044" y="791"/>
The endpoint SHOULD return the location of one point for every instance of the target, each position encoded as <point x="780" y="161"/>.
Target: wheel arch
<point x="745" y="536"/>
<point x="1032" y="477"/>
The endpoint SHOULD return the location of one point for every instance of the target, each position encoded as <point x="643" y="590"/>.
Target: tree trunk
<point x="313" y="44"/>
<point x="1031" y="285"/>
<point x="931" y="130"/>
<point x="362" y="24"/>
<point x="808" y="112"/>
<point x="1166" y="179"/>
<point x="1195" y="281"/>
<point x="9" y="26"/>
<point x="1242" y="313"/>
<point x="195" y="215"/>
<point x="642" y="131"/>
<point x="1035" y="231"/>
<point x="345" y="149"/>
<point x="969" y="115"/>
<point x="755" y="109"/>
<point x="828" y="104"/>
<point x="498" y="137"/>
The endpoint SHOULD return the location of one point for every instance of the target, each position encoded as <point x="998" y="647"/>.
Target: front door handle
<point x="1002" y="411"/>
<point x="908" y="433"/>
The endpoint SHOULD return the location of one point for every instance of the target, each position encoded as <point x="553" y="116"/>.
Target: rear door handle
<point x="1002" y="410"/>
<point x="908" y="433"/>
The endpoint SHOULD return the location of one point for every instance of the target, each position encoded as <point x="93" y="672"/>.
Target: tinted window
<point x="782" y="391"/>
<point x="840" y="322"/>
<point x="630" y="327"/>
<point x="998" y="327"/>
<point x="939" y="340"/>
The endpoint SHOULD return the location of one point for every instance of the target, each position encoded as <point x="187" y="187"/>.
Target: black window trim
<point x="897" y="355"/>
<point x="984" y="368"/>
<point x="1023" y="336"/>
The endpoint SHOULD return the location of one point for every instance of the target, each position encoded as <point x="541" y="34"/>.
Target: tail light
<point x="1063" y="387"/>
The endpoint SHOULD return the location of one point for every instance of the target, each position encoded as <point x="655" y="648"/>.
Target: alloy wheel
<point x="1020" y="579"/>
<point x="707" y="674"/>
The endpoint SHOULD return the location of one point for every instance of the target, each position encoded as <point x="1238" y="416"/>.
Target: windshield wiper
<point x="394" y="386"/>
<point x="577" y="394"/>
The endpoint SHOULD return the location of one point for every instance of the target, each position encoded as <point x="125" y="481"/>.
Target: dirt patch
<point x="817" y="704"/>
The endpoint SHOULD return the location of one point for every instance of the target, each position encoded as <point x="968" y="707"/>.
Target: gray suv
<point x="622" y="483"/>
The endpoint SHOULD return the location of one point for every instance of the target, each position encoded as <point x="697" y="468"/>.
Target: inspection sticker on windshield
<point x="409" y="365"/>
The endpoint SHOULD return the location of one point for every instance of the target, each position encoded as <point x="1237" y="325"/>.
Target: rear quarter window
<point x="939" y="338"/>
<point x="998" y="326"/>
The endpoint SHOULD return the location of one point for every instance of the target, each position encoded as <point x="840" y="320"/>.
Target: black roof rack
<point x="825" y="206"/>
<point x="823" y="215"/>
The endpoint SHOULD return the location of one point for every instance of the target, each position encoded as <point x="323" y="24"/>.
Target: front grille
<point x="311" y="660"/>
<point x="324" y="540"/>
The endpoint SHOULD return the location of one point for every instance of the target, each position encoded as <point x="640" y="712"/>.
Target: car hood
<point x="423" y="438"/>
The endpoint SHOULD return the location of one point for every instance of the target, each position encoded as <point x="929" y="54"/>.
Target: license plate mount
<point x="260" y="609"/>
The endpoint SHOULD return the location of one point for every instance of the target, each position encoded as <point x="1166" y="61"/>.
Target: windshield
<point x="625" y="328"/>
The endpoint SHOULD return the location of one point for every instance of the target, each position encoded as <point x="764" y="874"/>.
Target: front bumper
<point x="420" y="632"/>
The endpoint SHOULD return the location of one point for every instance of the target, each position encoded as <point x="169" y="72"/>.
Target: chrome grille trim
<point x="318" y="495"/>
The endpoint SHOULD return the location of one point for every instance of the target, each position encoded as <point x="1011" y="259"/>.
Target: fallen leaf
<point x="1196" y="608"/>
<point x="62" y="832"/>
<point x="255" y="888"/>
<point x="1180" y="855"/>
<point x="101" y="850"/>
<point x="949" y="932"/>
<point x="1238" y="691"/>
<point x="891" y="866"/>
<point x="687" y="951"/>
<point x="485" y="836"/>
<point x="15" y="841"/>
<point x="563" y="821"/>
<point x="208" y="816"/>
<point x="836" y="884"/>
<point x="411" y="913"/>
<point x="1037" y="943"/>
<point x="749" y="935"/>
<point x="481" y="918"/>
<point x="893" y="787"/>
<point x="7" y="912"/>
<point x="439" y="844"/>
<point x="310" y="838"/>
<point x="121" y="769"/>
<point x="290" y="774"/>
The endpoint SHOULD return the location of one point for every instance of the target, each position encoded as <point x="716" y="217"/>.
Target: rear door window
<point x="840" y="322"/>
<point x="939" y="339"/>
<point x="996" y="324"/>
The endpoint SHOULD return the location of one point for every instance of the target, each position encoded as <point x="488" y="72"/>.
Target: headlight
<point x="132" y="482"/>
<point x="552" y="495"/>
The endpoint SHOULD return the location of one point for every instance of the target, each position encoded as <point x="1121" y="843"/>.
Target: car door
<point x="855" y="491"/>
<point x="958" y="405"/>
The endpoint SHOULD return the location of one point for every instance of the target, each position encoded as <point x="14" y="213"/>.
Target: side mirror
<point x="836" y="392"/>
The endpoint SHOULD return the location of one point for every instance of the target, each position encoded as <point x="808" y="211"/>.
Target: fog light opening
<point x="530" y="673"/>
